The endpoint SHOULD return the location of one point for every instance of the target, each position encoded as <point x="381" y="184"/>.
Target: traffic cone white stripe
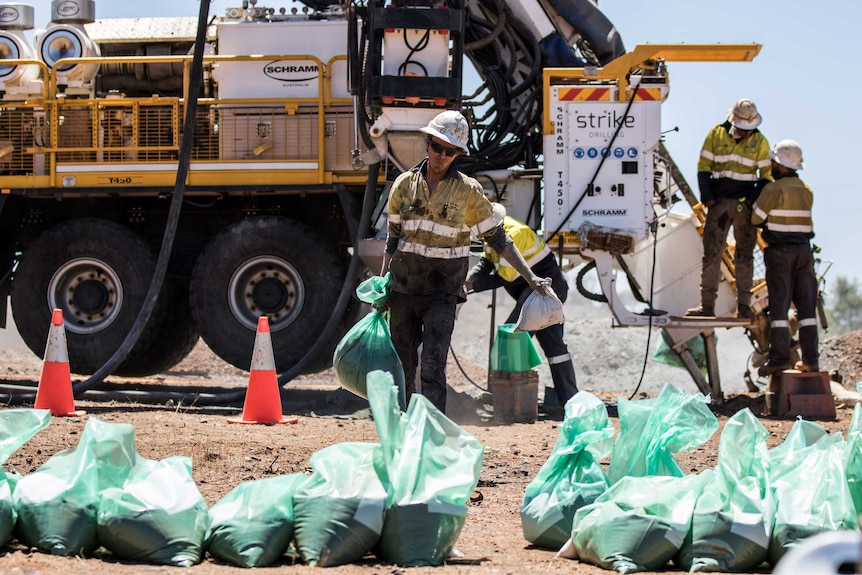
<point x="262" y="359"/>
<point x="55" y="348"/>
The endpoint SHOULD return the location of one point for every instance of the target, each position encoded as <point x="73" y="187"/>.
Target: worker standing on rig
<point x="733" y="167"/>
<point x="784" y="211"/>
<point x="433" y="209"/>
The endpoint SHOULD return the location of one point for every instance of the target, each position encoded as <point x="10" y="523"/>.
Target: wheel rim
<point x="89" y="292"/>
<point x="269" y="286"/>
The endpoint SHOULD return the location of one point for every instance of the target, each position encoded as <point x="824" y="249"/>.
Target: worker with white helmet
<point x="733" y="168"/>
<point x="433" y="211"/>
<point x="783" y="210"/>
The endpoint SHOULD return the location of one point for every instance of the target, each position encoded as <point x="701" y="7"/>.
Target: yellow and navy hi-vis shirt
<point x="429" y="234"/>
<point x="531" y="246"/>
<point x="735" y="166"/>
<point x="785" y="207"/>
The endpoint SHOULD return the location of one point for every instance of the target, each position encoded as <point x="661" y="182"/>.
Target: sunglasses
<point x="449" y="152"/>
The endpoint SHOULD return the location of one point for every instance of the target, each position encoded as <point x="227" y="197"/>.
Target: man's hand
<point x="541" y="285"/>
<point x="468" y="285"/>
<point x="383" y="307"/>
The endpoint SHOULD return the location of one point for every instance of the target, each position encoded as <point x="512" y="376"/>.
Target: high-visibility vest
<point x="531" y="246"/>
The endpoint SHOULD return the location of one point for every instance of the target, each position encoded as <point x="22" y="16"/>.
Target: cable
<point x="421" y="45"/>
<point x="651" y="294"/>
<point x="461" y="369"/>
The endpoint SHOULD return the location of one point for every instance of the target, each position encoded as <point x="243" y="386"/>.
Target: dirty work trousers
<point x="551" y="338"/>
<point x="719" y="218"/>
<point x="426" y="320"/>
<point x="790" y="278"/>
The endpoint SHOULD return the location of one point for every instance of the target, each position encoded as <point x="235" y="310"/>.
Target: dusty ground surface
<point x="224" y="455"/>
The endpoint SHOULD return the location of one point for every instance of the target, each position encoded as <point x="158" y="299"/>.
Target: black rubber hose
<point x="170" y="226"/>
<point x="579" y="283"/>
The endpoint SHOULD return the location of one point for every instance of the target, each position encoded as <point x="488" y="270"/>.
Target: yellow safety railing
<point x="63" y="138"/>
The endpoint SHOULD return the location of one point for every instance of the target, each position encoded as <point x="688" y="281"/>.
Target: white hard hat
<point x="788" y="154"/>
<point x="450" y="126"/>
<point x="744" y="115"/>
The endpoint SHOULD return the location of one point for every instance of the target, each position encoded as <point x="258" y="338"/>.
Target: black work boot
<point x="701" y="311"/>
<point x="744" y="311"/>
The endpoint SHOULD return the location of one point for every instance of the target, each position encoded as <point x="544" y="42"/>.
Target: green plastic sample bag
<point x="57" y="504"/>
<point x="652" y="430"/>
<point x="733" y="516"/>
<point x="158" y="516"/>
<point x="252" y="525"/>
<point x="666" y="355"/>
<point x="854" y="457"/>
<point x="375" y="290"/>
<point x="638" y="524"/>
<point x="571" y="477"/>
<point x="17" y="426"/>
<point x="339" y="509"/>
<point x="432" y="467"/>
<point x="367" y="346"/>
<point x="810" y="485"/>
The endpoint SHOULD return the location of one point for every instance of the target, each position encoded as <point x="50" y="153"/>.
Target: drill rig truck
<point x="276" y="132"/>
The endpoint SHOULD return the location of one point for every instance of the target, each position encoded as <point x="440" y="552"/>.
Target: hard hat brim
<point x="744" y="125"/>
<point x="437" y="134"/>
<point x="785" y="163"/>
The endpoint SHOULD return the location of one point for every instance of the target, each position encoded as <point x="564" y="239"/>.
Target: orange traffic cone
<point x="55" y="384"/>
<point x="262" y="398"/>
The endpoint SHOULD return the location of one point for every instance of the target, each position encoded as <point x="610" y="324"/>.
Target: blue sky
<point x="798" y="82"/>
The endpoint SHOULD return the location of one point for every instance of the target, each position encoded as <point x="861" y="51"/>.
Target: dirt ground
<point x="224" y="455"/>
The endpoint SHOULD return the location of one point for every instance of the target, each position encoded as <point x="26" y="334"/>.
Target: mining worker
<point x="433" y="209"/>
<point x="733" y="167"/>
<point x="493" y="271"/>
<point x="783" y="210"/>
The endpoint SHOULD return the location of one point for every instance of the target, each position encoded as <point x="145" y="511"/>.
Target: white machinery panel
<point x="599" y="161"/>
<point x="416" y="53"/>
<point x="288" y="78"/>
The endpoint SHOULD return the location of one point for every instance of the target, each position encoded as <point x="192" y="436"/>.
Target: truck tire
<point x="98" y="272"/>
<point x="269" y="266"/>
<point x="178" y="337"/>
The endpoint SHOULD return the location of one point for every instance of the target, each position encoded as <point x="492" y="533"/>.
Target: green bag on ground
<point x="17" y="426"/>
<point x="668" y="356"/>
<point x="158" y="516"/>
<point x="854" y="457"/>
<point x="338" y="510"/>
<point x="432" y="467"/>
<point x="652" y="430"/>
<point x="638" y="524"/>
<point x="252" y="526"/>
<point x="810" y="486"/>
<point x="572" y="476"/>
<point x="733" y="516"/>
<point x="367" y="346"/>
<point x="57" y="504"/>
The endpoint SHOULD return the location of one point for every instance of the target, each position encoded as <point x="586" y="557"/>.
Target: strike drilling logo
<point x="8" y="14"/>
<point x="68" y="8"/>
<point x="292" y="71"/>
